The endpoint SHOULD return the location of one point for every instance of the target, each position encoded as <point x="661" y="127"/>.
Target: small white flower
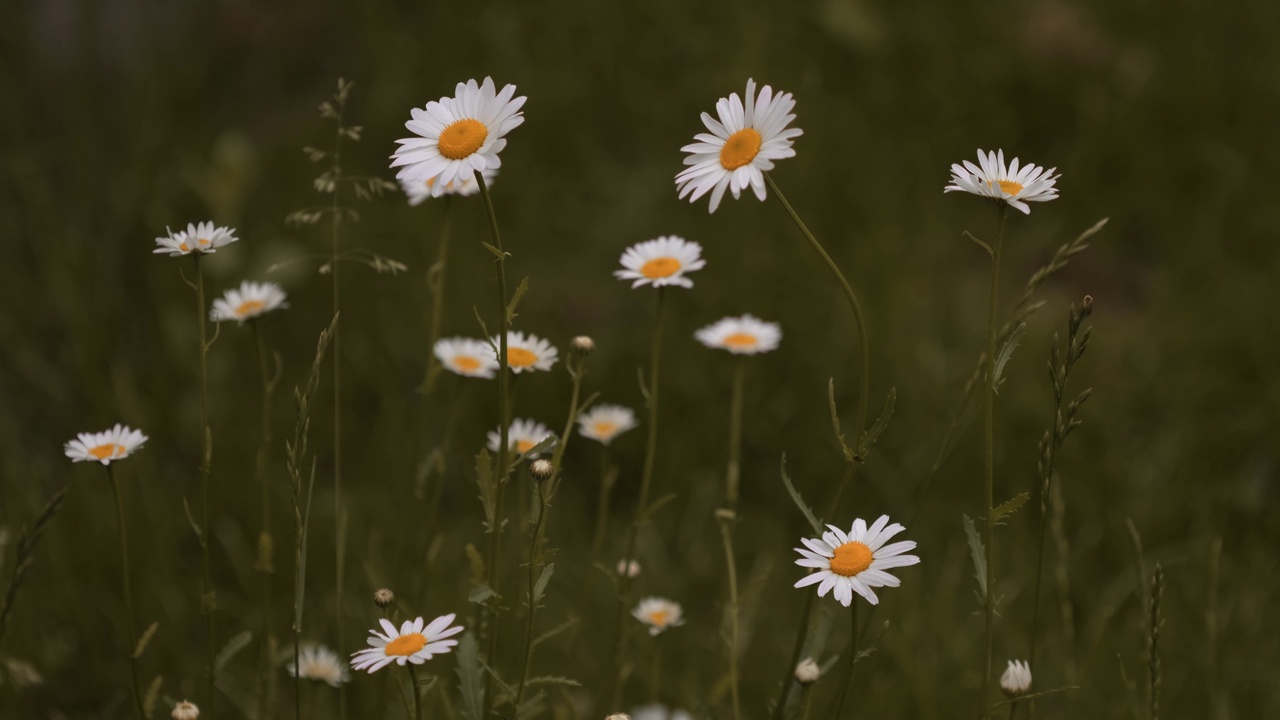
<point x="808" y="672"/>
<point x="659" y="614"/>
<point x="249" y="301"/>
<point x="662" y="261"/>
<point x="185" y="710"/>
<point x="458" y="135"/>
<point x="630" y="569"/>
<point x="1016" y="679"/>
<point x="412" y="643"/>
<point x="1001" y="183"/>
<point x="855" y="561"/>
<point x="741" y="146"/>
<point x="746" y="335"/>
<point x="526" y="353"/>
<point x="603" y="423"/>
<point x="419" y="190"/>
<point x="466" y="357"/>
<point x="204" y="238"/>
<point x="522" y="436"/>
<point x="658" y="711"/>
<point x="321" y="664"/>
<point x="117" y="443"/>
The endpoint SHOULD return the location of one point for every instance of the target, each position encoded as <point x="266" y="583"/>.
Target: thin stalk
<point x="208" y="602"/>
<point x="413" y="688"/>
<point x="504" y="380"/>
<point x="726" y="536"/>
<point x="265" y="544"/>
<point x="734" y="473"/>
<point x="435" y="283"/>
<point x="336" y="221"/>
<point x="602" y="509"/>
<point x="297" y="676"/>
<point x="727" y="517"/>
<point x="128" y="594"/>
<point x="853" y="660"/>
<point x="532" y="575"/>
<point x="655" y="670"/>
<point x="988" y="414"/>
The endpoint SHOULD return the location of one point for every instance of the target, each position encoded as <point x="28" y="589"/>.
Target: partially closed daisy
<point x="248" y="301"/>
<point x="458" y="135"/>
<point x="412" y="643"/>
<point x="662" y="261"/>
<point x="319" y="663"/>
<point x="746" y="335"/>
<point x="419" y="190"/>
<point x="528" y="352"/>
<point x="204" y="238"/>
<point x="659" y="614"/>
<point x="603" y="423"/>
<point x="855" y="561"/>
<point x="523" y="436"/>
<point x="117" y="443"/>
<point x="466" y="357"/>
<point x="1011" y="184"/>
<point x="741" y="146"/>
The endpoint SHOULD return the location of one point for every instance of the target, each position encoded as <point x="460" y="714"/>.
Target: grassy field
<point x="124" y="119"/>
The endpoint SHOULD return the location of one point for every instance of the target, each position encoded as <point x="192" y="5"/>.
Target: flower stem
<point x="435" y="283"/>
<point x="338" y="515"/>
<point x="531" y="598"/>
<point x="726" y="536"/>
<point x="655" y="670"/>
<point x="853" y="660"/>
<point x="602" y="509"/>
<point x="208" y="601"/>
<point x="726" y="517"/>
<point x="265" y="544"/>
<point x="413" y="688"/>
<point x="734" y="472"/>
<point x="128" y="594"/>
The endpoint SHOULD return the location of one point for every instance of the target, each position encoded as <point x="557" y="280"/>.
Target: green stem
<point x="297" y="675"/>
<point x="734" y="472"/>
<point x="726" y="535"/>
<point x="338" y="517"/>
<point x="602" y="509"/>
<point x="853" y="660"/>
<point x="128" y="595"/>
<point x="208" y="602"/>
<point x="413" y="688"/>
<point x="265" y="544"/>
<point x="435" y="283"/>
<point x="533" y="565"/>
<point x="655" y="671"/>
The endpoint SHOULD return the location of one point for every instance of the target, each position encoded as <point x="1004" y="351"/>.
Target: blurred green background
<point x="124" y="117"/>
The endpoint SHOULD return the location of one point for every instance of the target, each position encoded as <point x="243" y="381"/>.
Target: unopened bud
<point x="1087" y="302"/>
<point x="583" y="345"/>
<point x="185" y="711"/>
<point x="383" y="598"/>
<point x="1016" y="679"/>
<point x="542" y="469"/>
<point x="808" y="672"/>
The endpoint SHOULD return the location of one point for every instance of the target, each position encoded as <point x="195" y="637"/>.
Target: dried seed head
<point x="1016" y="679"/>
<point x="542" y="469"/>
<point x="583" y="345"/>
<point x="185" y="710"/>
<point x="383" y="598"/>
<point x="808" y="672"/>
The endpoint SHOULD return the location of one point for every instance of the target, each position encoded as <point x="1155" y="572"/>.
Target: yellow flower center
<point x="202" y="242"/>
<point x="851" y="559"/>
<point x="406" y="644"/>
<point x="110" y="450"/>
<point x="660" y="268"/>
<point x="741" y="340"/>
<point x="659" y="618"/>
<point x="466" y="363"/>
<point x="183" y="247"/>
<point x="605" y="429"/>
<point x="462" y="138"/>
<point x="519" y="357"/>
<point x="1008" y="186"/>
<point x="248" y="307"/>
<point x="525" y="446"/>
<point x="740" y="149"/>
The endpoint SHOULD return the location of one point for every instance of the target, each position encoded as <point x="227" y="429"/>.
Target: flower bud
<point x="383" y="598"/>
<point x="619" y="716"/>
<point x="542" y="469"/>
<point x="630" y="569"/>
<point x="185" y="711"/>
<point x="583" y="345"/>
<point x="808" y="672"/>
<point x="1016" y="679"/>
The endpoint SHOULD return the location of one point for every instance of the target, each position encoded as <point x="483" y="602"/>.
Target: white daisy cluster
<point x="467" y="357"/>
<point x="204" y="238"/>
<point x="105" y="447"/>
<point x="855" y="561"/>
<point x="413" y="642"/>
<point x="746" y="335"/>
<point x="247" y="302"/>
<point x="991" y="178"/>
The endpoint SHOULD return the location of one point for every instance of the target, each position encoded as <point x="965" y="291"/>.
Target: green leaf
<point x="835" y="420"/>
<point x="654" y="507"/>
<point x="470" y="678"/>
<point x="300" y="577"/>
<point x="553" y="632"/>
<point x="531" y="707"/>
<point x="480" y="593"/>
<point x="1006" y="352"/>
<point x="979" y="557"/>
<point x="541" y="586"/>
<point x="518" y="295"/>
<point x="228" y="651"/>
<point x="799" y="501"/>
<point x="1009" y="507"/>
<point x="882" y="422"/>
<point x="488" y="488"/>
<point x="496" y="252"/>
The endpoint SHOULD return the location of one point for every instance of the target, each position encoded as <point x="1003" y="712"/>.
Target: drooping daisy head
<point x="662" y="261"/>
<point x="659" y="614"/>
<point x="1016" y="679"/>
<point x="458" y="135"/>
<point x="746" y="335"/>
<point x="466" y="357"/>
<point x="855" y="561"/>
<point x="247" y="302"/>
<point x="740" y="147"/>
<point x="523" y="436"/>
<point x="604" y="422"/>
<point x="105" y="447"/>
<point x="411" y="643"/>
<point x="526" y="353"/>
<point x="319" y="663"/>
<point x="1011" y="184"/>
<point x="658" y="711"/>
<point x="204" y="238"/>
<point x="419" y="190"/>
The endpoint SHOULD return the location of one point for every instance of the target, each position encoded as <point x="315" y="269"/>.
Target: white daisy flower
<point x="117" y="443"/>
<point x="466" y="357"/>
<point x="419" y="190"/>
<point x="658" y="711"/>
<point x="855" y="561"/>
<point x="321" y="664"/>
<point x="458" y="135"/>
<point x="522" y="436"/>
<point x="185" y="710"/>
<point x="603" y="423"/>
<point x="1016" y="679"/>
<point x="411" y="643"/>
<point x="204" y="238"/>
<point x="659" y="614"/>
<point x="526" y="353"/>
<point x="741" y="146"/>
<point x="662" y="261"/>
<point x="746" y="335"/>
<point x="248" y="302"/>
<point x="1013" y="185"/>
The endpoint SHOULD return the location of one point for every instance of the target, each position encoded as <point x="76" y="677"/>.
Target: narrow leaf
<point x="1009" y="507"/>
<point x="979" y="556"/>
<point x="480" y="593"/>
<point x="470" y="678"/>
<point x="233" y="646"/>
<point x="1006" y="352"/>
<point x="882" y="422"/>
<point x="799" y="501"/>
<point x="541" y="586"/>
<point x="145" y="640"/>
<point x="516" y="297"/>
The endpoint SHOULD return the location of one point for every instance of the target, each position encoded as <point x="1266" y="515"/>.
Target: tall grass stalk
<point x="128" y="594"/>
<point x="435" y="284"/>
<point x="413" y="688"/>
<point x="24" y="554"/>
<point x="208" y="600"/>
<point x="266" y="544"/>
<point x="726" y="517"/>
<point x="1155" y="623"/>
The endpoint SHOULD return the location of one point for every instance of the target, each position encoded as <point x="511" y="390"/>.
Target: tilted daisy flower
<point x="458" y="135"/>
<point x="526" y="353"/>
<point x="1016" y="679"/>
<point x="741" y="146"/>
<point x="603" y="423"/>
<point x="466" y="357"/>
<point x="855" y="561"/>
<point x="659" y="614"/>
<point x="117" y="443"/>
<point x="658" y="711"/>
<point x="523" y="436"/>
<point x="248" y="301"/>
<point x="204" y="238"/>
<point x="662" y="261"/>
<point x="746" y="335"/>
<point x="1011" y="184"/>
<point x="319" y="663"/>
<point x="412" y="643"/>
<point x="419" y="190"/>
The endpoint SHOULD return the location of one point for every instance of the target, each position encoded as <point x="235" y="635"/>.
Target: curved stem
<point x="734" y="472"/>
<point x="128" y="594"/>
<point x="208" y="602"/>
<point x="532" y="600"/>
<point x="853" y="660"/>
